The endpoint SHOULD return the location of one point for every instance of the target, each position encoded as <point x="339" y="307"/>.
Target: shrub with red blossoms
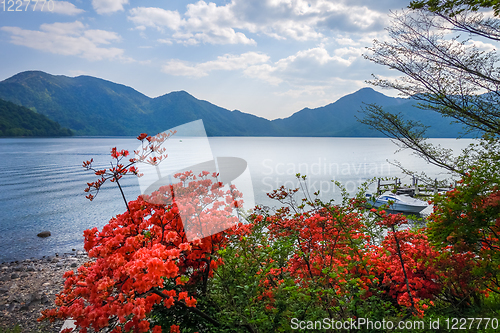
<point x="142" y="259"/>
<point x="308" y="261"/>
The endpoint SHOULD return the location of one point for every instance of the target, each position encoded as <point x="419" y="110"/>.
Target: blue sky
<point x="270" y="58"/>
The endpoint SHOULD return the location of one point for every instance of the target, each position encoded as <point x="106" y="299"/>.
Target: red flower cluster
<point x="138" y="252"/>
<point x="333" y="254"/>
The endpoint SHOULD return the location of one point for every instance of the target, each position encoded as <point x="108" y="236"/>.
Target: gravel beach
<point x="29" y="286"/>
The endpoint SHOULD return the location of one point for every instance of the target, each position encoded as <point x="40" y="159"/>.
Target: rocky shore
<point x="27" y="287"/>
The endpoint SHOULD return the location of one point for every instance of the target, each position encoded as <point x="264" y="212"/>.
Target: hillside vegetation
<point x="17" y="120"/>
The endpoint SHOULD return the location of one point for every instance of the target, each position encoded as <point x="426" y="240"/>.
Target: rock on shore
<point x="27" y="287"/>
<point x="44" y="234"/>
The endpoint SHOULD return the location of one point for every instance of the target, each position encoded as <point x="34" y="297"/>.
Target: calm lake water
<point x="43" y="180"/>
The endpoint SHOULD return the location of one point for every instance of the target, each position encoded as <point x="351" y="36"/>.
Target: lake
<point x="43" y="180"/>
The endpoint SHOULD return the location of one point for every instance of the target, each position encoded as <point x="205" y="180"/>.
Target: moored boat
<point x="399" y="203"/>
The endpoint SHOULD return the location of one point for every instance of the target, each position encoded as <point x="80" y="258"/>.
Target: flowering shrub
<point x="466" y="222"/>
<point x="321" y="260"/>
<point x="308" y="261"/>
<point x="339" y="261"/>
<point x="141" y="258"/>
<point x="135" y="254"/>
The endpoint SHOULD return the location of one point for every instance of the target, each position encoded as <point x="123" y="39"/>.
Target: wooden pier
<point x="412" y="190"/>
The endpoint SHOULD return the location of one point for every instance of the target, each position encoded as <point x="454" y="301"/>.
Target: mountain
<point x="85" y="104"/>
<point x="92" y="106"/>
<point x="339" y="118"/>
<point x="17" y="120"/>
<point x="179" y="107"/>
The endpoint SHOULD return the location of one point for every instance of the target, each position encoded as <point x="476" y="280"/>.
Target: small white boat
<point x="399" y="203"/>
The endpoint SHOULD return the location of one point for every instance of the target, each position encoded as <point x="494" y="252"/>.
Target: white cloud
<point x="233" y="62"/>
<point x="315" y="66"/>
<point x="227" y="62"/>
<point x="232" y="23"/>
<point x="165" y="41"/>
<point x="66" y="28"/>
<point x="349" y="51"/>
<point x="220" y="36"/>
<point x="203" y="23"/>
<point x="58" y="7"/>
<point x="68" y="39"/>
<point x="182" y="68"/>
<point x="214" y="24"/>
<point x="263" y="72"/>
<point x="155" y="18"/>
<point x="101" y="36"/>
<point x="289" y="29"/>
<point x="345" y="41"/>
<point x="481" y="46"/>
<point x="108" y="6"/>
<point x="312" y="67"/>
<point x="315" y="57"/>
<point x="66" y="8"/>
<point x="352" y="18"/>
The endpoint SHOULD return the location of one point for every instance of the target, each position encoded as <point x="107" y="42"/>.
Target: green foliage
<point x="16" y="120"/>
<point x="467" y="218"/>
<point x="453" y="7"/>
<point x="187" y="320"/>
<point x="451" y="78"/>
<point x="237" y="282"/>
<point x="264" y="282"/>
